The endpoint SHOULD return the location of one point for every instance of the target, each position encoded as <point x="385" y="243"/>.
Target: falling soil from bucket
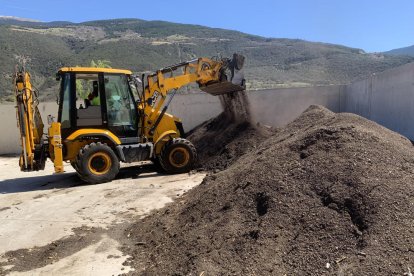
<point x="222" y="140"/>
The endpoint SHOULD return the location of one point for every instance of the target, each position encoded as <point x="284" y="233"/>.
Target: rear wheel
<point x="97" y="163"/>
<point x="178" y="156"/>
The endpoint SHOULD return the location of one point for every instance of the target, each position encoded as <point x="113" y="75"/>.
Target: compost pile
<point x="222" y="140"/>
<point x="328" y="194"/>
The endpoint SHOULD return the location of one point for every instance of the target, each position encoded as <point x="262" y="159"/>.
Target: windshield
<point x="120" y="104"/>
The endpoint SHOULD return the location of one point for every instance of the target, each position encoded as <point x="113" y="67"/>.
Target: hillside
<point x="147" y="45"/>
<point x="408" y="51"/>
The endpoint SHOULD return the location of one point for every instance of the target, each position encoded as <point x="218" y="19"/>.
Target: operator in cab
<point x="93" y="97"/>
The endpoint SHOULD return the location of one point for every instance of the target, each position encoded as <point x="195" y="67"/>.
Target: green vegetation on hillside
<point x="407" y="51"/>
<point x="143" y="46"/>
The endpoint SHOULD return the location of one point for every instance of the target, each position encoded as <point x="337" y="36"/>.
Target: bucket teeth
<point x="221" y="88"/>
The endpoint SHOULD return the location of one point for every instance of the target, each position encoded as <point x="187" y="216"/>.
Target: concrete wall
<point x="386" y="98"/>
<point x="274" y="107"/>
<point x="9" y="138"/>
<point x="277" y="107"/>
<point x="193" y="110"/>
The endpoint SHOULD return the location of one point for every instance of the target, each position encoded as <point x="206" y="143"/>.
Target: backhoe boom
<point x="30" y="123"/>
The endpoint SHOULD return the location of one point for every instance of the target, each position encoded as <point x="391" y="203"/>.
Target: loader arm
<point x="30" y="123"/>
<point x="215" y="77"/>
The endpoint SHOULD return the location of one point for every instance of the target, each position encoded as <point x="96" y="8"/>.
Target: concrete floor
<point x="40" y="207"/>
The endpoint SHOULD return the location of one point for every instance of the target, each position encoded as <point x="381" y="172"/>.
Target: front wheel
<point x="178" y="156"/>
<point x="97" y="163"/>
<point x="75" y="166"/>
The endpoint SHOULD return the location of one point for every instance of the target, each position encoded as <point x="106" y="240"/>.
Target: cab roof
<point x="94" y="70"/>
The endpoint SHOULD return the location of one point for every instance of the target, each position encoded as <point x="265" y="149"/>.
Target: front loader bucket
<point x="231" y="78"/>
<point x="220" y="88"/>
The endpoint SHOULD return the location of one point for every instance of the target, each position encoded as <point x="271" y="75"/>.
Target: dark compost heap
<point x="328" y="194"/>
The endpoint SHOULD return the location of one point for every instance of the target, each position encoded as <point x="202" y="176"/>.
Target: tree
<point x="101" y="63"/>
<point x="82" y="87"/>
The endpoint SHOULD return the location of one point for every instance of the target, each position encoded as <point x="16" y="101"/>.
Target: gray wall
<point x="277" y="107"/>
<point x="9" y="138"/>
<point x="193" y="110"/>
<point x="274" y="107"/>
<point x="386" y="98"/>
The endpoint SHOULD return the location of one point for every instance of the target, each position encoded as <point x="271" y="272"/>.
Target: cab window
<point x="88" y="100"/>
<point x="120" y="104"/>
<point x="65" y="102"/>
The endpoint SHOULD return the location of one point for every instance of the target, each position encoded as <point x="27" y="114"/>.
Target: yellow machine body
<point x="101" y="122"/>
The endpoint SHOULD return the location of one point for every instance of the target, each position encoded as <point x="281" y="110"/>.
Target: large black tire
<point x="178" y="156"/>
<point x="157" y="165"/>
<point x="75" y="166"/>
<point x="97" y="163"/>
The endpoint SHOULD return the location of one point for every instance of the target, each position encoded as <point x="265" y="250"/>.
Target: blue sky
<point x="370" y="25"/>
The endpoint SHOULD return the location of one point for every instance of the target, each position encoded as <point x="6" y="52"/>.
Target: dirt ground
<point x="56" y="224"/>
<point x="327" y="194"/>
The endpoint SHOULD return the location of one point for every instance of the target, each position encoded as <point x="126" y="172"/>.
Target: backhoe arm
<point x="30" y="123"/>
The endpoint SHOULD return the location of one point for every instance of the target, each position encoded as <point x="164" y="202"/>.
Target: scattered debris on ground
<point x="40" y="256"/>
<point x="329" y="193"/>
<point x="55" y="224"/>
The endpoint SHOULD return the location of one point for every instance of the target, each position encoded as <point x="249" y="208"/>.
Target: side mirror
<point x="57" y="76"/>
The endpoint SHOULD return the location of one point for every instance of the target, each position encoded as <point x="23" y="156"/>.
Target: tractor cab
<point x="97" y="98"/>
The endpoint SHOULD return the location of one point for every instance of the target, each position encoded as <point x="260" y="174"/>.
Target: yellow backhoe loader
<point x="107" y="116"/>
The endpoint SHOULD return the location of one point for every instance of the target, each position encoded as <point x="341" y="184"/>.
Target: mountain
<point x="142" y="45"/>
<point x="11" y="19"/>
<point x="408" y="51"/>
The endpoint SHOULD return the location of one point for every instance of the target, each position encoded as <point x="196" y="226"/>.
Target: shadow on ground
<point x="68" y="180"/>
